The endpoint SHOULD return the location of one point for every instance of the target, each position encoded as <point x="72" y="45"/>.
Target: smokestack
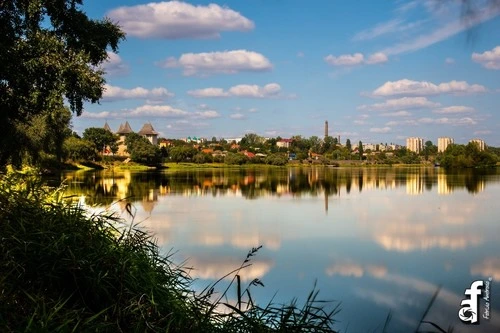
<point x="326" y="128"/>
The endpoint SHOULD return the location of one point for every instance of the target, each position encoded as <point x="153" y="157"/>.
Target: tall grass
<point x="62" y="269"/>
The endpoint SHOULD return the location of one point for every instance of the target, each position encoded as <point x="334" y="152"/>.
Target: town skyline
<point x="409" y="68"/>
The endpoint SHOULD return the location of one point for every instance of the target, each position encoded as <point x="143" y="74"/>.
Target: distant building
<point x="107" y="128"/>
<point x="415" y="144"/>
<point x="149" y="133"/>
<point x="443" y="143"/>
<point x="284" y="143"/>
<point x="480" y="143"/>
<point x="123" y="131"/>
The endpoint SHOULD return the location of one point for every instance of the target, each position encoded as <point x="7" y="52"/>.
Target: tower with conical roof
<point x="107" y="128"/>
<point x="149" y="133"/>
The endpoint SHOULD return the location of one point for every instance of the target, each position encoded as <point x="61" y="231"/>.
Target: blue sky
<point x="378" y="71"/>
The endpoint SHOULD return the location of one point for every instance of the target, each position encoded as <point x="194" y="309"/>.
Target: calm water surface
<point x="375" y="240"/>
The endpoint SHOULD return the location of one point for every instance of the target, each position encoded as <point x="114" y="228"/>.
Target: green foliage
<point x="235" y="159"/>
<point x="43" y="134"/>
<point x="182" y="153"/>
<point x="79" y="149"/>
<point x="141" y="150"/>
<point x="101" y="138"/>
<point x="348" y="145"/>
<point x="461" y="156"/>
<point x="276" y="159"/>
<point x="360" y="150"/>
<point x="51" y="52"/>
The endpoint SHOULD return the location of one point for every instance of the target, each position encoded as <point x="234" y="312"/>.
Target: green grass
<point x="62" y="269"/>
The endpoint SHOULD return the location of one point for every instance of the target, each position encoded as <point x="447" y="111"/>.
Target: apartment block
<point x="415" y="144"/>
<point x="443" y="143"/>
<point x="480" y="143"/>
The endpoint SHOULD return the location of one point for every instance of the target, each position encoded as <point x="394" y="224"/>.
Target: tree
<point x="79" y="149"/>
<point x="348" y="145"/>
<point x="360" y="150"/>
<point x="101" y="138"/>
<point x="50" y="53"/>
<point x="141" y="150"/>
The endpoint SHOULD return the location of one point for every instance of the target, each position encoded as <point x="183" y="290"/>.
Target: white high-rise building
<point x="415" y="144"/>
<point x="480" y="143"/>
<point x="443" y="143"/>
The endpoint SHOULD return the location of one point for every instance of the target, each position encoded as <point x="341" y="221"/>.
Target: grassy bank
<point x="62" y="269"/>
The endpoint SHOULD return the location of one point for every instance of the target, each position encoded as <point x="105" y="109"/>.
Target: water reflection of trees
<point x="104" y="187"/>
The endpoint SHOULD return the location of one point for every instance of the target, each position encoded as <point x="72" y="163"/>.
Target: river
<point x="374" y="240"/>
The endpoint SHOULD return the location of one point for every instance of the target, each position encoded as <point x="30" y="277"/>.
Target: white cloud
<point x="377" y="58"/>
<point x="393" y="26"/>
<point x="355" y="59"/>
<point x="160" y="111"/>
<point x="176" y="19"/>
<point x="445" y="31"/>
<point x="208" y="114"/>
<point x="455" y="109"/>
<point x="380" y="129"/>
<point x="488" y="59"/>
<point x="400" y="103"/>
<point x="483" y="132"/>
<point x="271" y="90"/>
<point x="300" y="54"/>
<point x="237" y="116"/>
<point x="114" y="65"/>
<point x="345" y="60"/>
<point x="409" y="87"/>
<point x="225" y="62"/>
<point x="112" y="93"/>
<point x="396" y="114"/>
<point x="449" y="61"/>
<point x="155" y="111"/>
<point x="448" y="121"/>
<point x="208" y="92"/>
<point x="98" y="115"/>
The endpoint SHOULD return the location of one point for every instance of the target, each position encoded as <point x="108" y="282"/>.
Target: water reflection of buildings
<point x="414" y="184"/>
<point x="106" y="187"/>
<point x="443" y="188"/>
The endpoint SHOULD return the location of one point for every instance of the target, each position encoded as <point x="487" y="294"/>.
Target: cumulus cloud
<point x="376" y="58"/>
<point x="401" y="103"/>
<point x="409" y="87"/>
<point x="155" y="111"/>
<point x="449" y="61"/>
<point x="455" y="109"/>
<point x="208" y="114"/>
<point x="396" y="114"/>
<point x="114" y="65"/>
<point x="160" y="111"/>
<point x="483" y="132"/>
<point x="237" y="116"/>
<point x="355" y="270"/>
<point x="271" y="90"/>
<point x="176" y="19"/>
<point x="224" y="62"/>
<point x="380" y="129"/>
<point x="355" y="59"/>
<point x="488" y="59"/>
<point x="448" y="121"/>
<point x="112" y="93"/>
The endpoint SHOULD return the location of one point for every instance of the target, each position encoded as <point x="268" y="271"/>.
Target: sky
<point x="377" y="71"/>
